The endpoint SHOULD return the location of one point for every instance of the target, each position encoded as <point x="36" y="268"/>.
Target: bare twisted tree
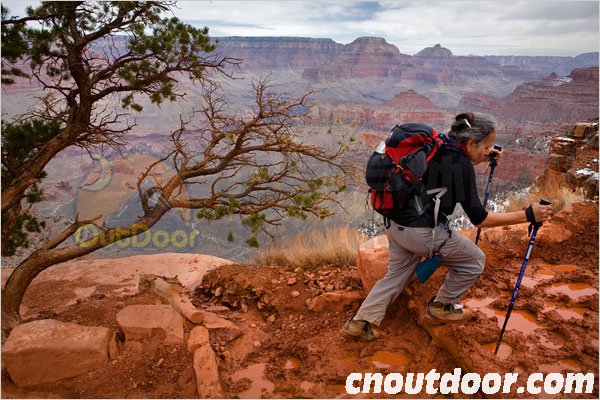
<point x="254" y="163"/>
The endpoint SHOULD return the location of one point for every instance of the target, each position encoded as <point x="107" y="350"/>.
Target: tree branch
<point x="69" y="231"/>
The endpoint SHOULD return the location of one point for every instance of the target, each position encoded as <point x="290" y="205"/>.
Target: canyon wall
<point x="279" y="52"/>
<point x="555" y="99"/>
<point x="548" y="64"/>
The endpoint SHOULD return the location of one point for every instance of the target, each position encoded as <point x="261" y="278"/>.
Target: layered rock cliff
<point x="547" y="64"/>
<point x="555" y="99"/>
<point x="365" y="57"/>
<point x="279" y="52"/>
<point x="313" y="54"/>
<point x="406" y="106"/>
<point x="434" y="71"/>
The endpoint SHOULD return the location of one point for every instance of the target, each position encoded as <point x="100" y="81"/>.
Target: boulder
<point x="559" y="162"/>
<point x="493" y="236"/>
<point x="583" y="130"/>
<point x="371" y="265"/>
<point x="207" y="373"/>
<point x="576" y="177"/>
<point x="336" y="301"/>
<point x="142" y="322"/>
<point x="590" y="187"/>
<point x="593" y="143"/>
<point x="47" y="351"/>
<point x="554" y="229"/>
<point x="497" y="236"/>
<point x="579" y="130"/>
<point x="563" y="146"/>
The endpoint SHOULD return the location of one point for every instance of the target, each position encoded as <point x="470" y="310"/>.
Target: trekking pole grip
<point x="543" y="202"/>
<point x="492" y="156"/>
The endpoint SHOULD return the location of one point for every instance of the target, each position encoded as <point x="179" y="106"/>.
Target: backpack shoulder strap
<point x="437" y="200"/>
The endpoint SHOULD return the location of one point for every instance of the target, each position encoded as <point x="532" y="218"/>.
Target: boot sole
<point x="348" y="335"/>
<point x="431" y="320"/>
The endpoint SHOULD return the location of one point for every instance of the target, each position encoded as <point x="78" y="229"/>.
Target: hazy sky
<point x="465" y="27"/>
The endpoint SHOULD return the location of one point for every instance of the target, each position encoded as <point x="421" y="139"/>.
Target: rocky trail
<point x="273" y="332"/>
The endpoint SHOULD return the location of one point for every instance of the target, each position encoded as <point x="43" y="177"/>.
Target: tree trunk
<point x="18" y="282"/>
<point x="16" y="285"/>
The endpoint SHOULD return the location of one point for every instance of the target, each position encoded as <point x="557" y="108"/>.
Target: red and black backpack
<point x="395" y="170"/>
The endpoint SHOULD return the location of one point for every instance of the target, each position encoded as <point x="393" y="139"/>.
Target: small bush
<point x="311" y="250"/>
<point x="559" y="195"/>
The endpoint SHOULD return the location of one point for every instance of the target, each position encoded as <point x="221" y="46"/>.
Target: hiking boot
<point x="442" y="313"/>
<point x="359" y="330"/>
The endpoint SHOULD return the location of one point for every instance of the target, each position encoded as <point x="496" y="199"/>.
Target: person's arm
<point x="540" y="212"/>
<point x="484" y="219"/>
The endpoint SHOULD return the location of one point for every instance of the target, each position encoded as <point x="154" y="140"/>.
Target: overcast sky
<point x="564" y="28"/>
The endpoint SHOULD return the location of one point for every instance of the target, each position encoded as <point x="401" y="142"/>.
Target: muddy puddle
<point x="258" y="386"/>
<point x="562" y="268"/>
<point x="520" y="320"/>
<point x="504" y="351"/>
<point x="574" y="290"/>
<point x="390" y="360"/>
<point x="567" y="364"/>
<point x="565" y="312"/>
<point x="573" y="312"/>
<point x="534" y="278"/>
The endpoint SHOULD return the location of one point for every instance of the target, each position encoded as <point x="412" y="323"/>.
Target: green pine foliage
<point x="142" y="51"/>
<point x="20" y="142"/>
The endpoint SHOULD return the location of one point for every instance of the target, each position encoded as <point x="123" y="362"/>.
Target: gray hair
<point x="473" y="126"/>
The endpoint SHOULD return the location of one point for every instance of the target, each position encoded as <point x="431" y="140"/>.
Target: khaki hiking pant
<point x="407" y="245"/>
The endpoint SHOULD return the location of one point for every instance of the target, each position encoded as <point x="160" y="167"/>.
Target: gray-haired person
<point x="410" y="235"/>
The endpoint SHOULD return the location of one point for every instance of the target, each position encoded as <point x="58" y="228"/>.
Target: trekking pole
<point x="536" y="226"/>
<point x="493" y="165"/>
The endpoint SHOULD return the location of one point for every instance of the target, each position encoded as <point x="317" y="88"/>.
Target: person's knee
<point x="479" y="261"/>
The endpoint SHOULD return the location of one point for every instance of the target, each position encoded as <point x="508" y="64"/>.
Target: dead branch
<point x="174" y="293"/>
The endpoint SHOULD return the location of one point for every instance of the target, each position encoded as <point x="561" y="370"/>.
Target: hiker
<point x="410" y="235"/>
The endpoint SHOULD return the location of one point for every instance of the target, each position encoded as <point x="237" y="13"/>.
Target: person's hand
<point x="540" y="212"/>
<point x="495" y="153"/>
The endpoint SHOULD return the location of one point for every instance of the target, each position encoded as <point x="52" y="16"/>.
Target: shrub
<point x="315" y="249"/>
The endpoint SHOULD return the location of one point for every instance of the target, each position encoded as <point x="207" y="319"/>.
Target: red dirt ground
<point x="284" y="350"/>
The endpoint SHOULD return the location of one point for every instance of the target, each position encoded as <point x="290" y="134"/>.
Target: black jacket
<point x="452" y="169"/>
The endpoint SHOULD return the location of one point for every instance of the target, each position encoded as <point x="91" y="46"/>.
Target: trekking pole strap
<point x="531" y="218"/>
<point x="437" y="199"/>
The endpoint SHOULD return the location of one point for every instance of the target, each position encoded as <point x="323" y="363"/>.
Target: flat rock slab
<point x="140" y="322"/>
<point x="78" y="280"/>
<point x="46" y="351"/>
<point x="213" y="321"/>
